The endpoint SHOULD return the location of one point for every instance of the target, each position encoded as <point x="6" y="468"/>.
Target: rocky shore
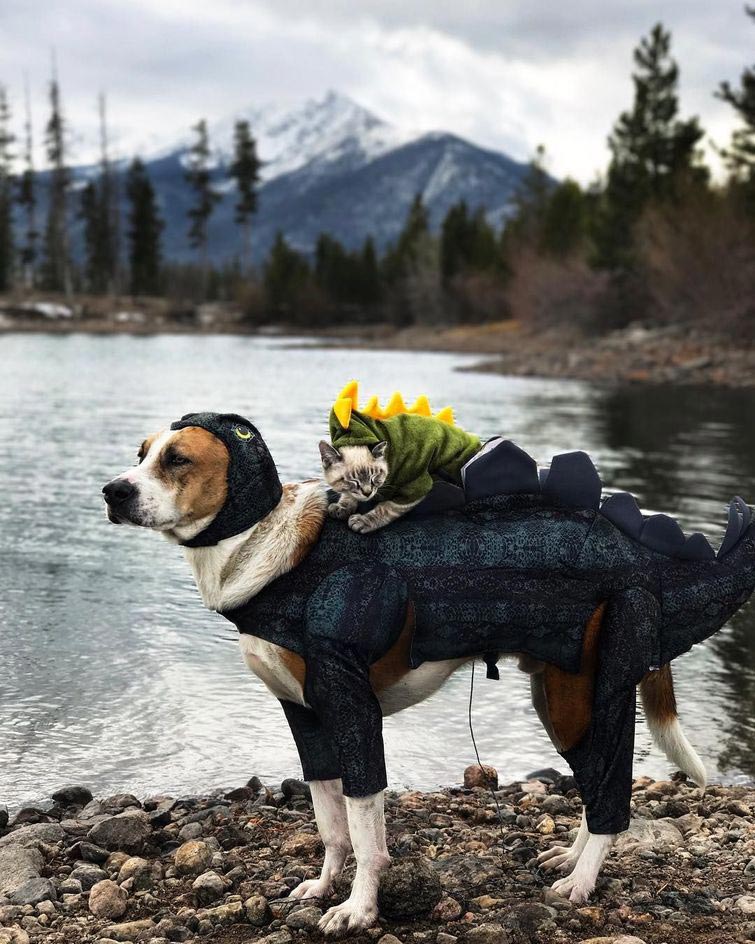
<point x="218" y="868"/>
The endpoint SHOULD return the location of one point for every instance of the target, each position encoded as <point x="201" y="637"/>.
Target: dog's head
<point x="181" y="480"/>
<point x="207" y="478"/>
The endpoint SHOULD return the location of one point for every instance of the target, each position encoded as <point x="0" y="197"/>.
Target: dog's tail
<point x="659" y="702"/>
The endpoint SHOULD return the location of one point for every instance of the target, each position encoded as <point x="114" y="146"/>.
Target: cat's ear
<point x="380" y="450"/>
<point x="328" y="454"/>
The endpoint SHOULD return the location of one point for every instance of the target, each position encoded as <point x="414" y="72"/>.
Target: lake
<point x="112" y="673"/>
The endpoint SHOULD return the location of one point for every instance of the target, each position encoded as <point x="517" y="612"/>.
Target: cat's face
<point x="355" y="470"/>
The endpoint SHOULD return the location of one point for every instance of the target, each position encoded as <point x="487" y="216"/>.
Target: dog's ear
<point x="380" y="450"/>
<point x="328" y="454"/>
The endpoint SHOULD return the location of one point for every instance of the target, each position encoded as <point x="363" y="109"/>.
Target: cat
<point x="356" y="474"/>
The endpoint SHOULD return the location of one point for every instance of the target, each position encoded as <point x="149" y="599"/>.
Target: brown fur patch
<point x="201" y="486"/>
<point x="145" y="447"/>
<point x="658" y="697"/>
<point x="294" y="664"/>
<point x="394" y="665"/>
<point x="310" y="523"/>
<point x="568" y="696"/>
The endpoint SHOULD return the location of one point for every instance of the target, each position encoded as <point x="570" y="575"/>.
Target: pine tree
<point x="6" y="195"/>
<point x="245" y="170"/>
<point x="370" y="289"/>
<point x="99" y="212"/>
<point x="531" y="201"/>
<point x="740" y="156"/>
<point x="565" y="221"/>
<point x="286" y="275"/>
<point x="108" y="209"/>
<point x="198" y="176"/>
<point x="400" y="258"/>
<point x="57" y="267"/>
<point x="27" y="199"/>
<point x="144" y="232"/>
<point x="467" y="243"/>
<point x="653" y="152"/>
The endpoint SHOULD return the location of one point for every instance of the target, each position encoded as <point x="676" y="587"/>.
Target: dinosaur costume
<point x="520" y="566"/>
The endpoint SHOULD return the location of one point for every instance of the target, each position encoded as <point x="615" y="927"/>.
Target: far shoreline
<point x="637" y="354"/>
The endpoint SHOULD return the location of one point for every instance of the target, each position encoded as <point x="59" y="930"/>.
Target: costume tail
<point x="659" y="702"/>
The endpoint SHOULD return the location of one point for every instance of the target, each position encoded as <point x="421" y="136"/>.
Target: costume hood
<point x="254" y="488"/>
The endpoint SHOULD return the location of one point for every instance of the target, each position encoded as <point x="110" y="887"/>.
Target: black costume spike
<point x="573" y="481"/>
<point x="735" y="527"/>
<point x="623" y="511"/>
<point x="696" y="547"/>
<point x="663" y="534"/>
<point x="500" y="468"/>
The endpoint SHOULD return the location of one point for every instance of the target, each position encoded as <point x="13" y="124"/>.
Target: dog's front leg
<point x="366" y="817"/>
<point x="330" y="813"/>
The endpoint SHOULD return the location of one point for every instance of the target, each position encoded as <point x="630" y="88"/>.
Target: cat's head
<point x="355" y="470"/>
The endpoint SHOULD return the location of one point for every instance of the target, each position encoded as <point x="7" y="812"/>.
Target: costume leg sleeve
<point x="318" y="759"/>
<point x="353" y="619"/>
<point x="338" y="689"/>
<point x="602" y="760"/>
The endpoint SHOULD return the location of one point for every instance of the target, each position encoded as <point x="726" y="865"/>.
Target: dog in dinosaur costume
<point x="344" y="628"/>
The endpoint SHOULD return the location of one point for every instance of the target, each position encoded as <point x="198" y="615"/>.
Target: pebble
<point x="257" y="910"/>
<point x="193" y="858"/>
<point x="73" y="796"/>
<point x="278" y="937"/>
<point x="477" y="775"/>
<point x="488" y="934"/>
<point x="124" y="832"/>
<point x="304" y="919"/>
<point x="107" y="900"/>
<point x="208" y="887"/>
<point x="408" y="888"/>
<point x="130" y="930"/>
<point x="746" y="904"/>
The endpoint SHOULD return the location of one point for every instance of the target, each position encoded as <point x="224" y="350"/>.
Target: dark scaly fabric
<point x="520" y="572"/>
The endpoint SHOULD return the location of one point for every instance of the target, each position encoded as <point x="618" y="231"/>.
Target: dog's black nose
<point x="118" y="491"/>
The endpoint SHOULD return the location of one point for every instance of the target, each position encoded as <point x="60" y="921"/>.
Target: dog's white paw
<point x="311" y="888"/>
<point x="362" y="524"/>
<point x="575" y="888"/>
<point x="349" y="916"/>
<point x="337" y="511"/>
<point x="558" y="858"/>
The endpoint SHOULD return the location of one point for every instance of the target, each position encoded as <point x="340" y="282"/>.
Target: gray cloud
<point x="507" y="74"/>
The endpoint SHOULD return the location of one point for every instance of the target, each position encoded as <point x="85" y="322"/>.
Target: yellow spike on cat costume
<point x="342" y="409"/>
<point x="421" y="407"/>
<point x="348" y="402"/>
<point x="395" y="406"/>
<point x="351" y="392"/>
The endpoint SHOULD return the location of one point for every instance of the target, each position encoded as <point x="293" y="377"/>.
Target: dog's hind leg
<point x="330" y="814"/>
<point x="592" y="717"/>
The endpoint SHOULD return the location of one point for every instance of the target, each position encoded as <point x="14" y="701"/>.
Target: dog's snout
<point x="118" y="491"/>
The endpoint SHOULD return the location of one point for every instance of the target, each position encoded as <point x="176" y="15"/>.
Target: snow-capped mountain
<point x="332" y="166"/>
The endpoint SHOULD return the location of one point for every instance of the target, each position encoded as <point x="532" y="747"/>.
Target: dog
<point x="181" y="486"/>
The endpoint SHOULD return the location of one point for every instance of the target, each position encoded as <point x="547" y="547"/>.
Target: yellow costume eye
<point x="242" y="433"/>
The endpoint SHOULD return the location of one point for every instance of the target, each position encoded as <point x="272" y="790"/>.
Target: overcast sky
<point x="507" y="74"/>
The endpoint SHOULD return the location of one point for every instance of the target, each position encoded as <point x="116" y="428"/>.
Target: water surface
<point x="113" y="674"/>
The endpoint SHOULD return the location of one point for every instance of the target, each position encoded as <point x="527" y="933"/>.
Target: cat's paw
<point x="362" y="524"/>
<point x="338" y="511"/>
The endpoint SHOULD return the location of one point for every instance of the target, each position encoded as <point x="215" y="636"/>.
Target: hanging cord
<point x="479" y="764"/>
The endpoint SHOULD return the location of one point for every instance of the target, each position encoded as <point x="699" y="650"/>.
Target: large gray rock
<point x="408" y="888"/>
<point x="660" y="835"/>
<point x="73" y="796"/>
<point x="88" y="874"/>
<point x="126" y="831"/>
<point x="17" y="867"/>
<point x="30" y="836"/>
<point x="33" y="891"/>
